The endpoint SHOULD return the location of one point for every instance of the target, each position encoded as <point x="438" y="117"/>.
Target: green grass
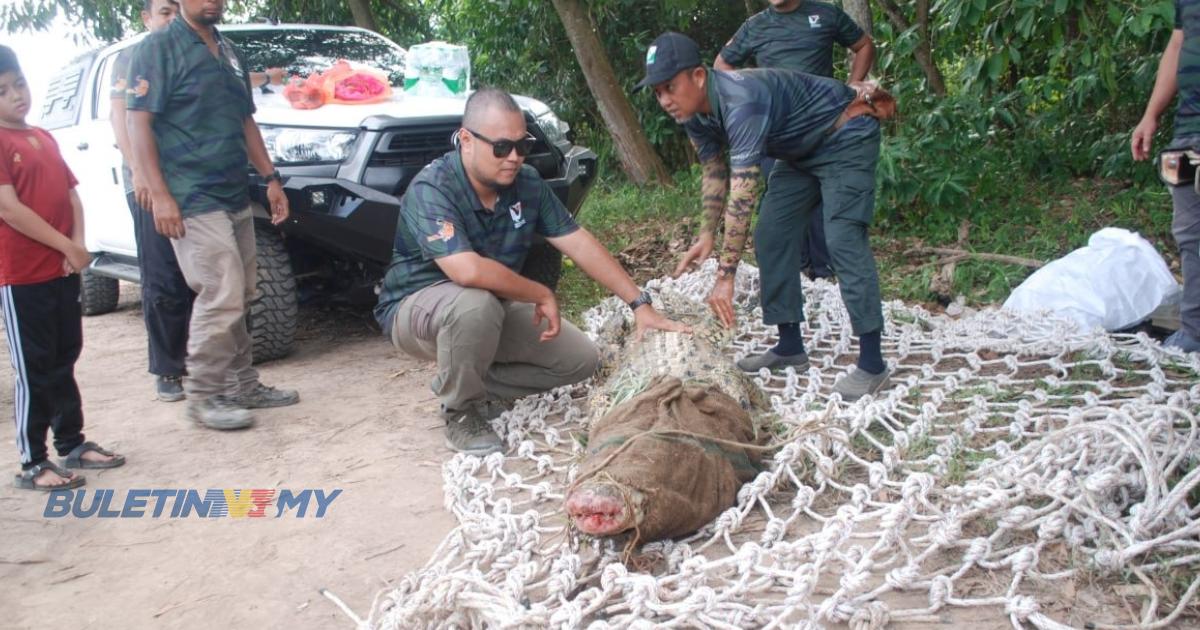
<point x="649" y="228"/>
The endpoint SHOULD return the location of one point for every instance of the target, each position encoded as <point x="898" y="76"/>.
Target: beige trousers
<point x="217" y="258"/>
<point x="486" y="347"/>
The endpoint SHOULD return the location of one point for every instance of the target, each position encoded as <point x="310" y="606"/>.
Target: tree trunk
<point x="363" y="17"/>
<point x="860" y="12"/>
<point x="638" y="158"/>
<point x="924" y="51"/>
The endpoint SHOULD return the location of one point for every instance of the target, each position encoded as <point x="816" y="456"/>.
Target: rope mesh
<point x="1009" y="455"/>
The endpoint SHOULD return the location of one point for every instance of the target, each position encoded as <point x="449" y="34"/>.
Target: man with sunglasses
<point x="453" y="292"/>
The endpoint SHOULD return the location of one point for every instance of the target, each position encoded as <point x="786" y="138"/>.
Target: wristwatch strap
<point x="644" y="298"/>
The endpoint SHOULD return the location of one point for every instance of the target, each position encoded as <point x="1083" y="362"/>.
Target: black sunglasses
<point x="501" y="148"/>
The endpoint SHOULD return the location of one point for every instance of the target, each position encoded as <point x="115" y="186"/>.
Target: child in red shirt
<point x="41" y="255"/>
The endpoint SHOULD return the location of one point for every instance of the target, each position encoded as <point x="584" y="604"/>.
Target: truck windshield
<point x="304" y="51"/>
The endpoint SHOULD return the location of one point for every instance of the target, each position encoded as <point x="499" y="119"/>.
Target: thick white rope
<point x="1009" y="453"/>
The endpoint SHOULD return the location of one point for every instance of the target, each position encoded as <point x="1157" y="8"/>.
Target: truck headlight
<point x="291" y="145"/>
<point x="554" y="128"/>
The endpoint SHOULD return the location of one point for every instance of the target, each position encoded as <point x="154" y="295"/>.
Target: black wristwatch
<point x="273" y="177"/>
<point x="640" y="300"/>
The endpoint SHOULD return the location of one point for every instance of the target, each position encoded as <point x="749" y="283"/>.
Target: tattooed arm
<point x="713" y="185"/>
<point x="744" y="192"/>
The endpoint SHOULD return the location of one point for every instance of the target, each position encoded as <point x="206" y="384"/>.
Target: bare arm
<point x="471" y="270"/>
<point x="77" y="227"/>
<point x="596" y="261"/>
<point x="720" y="64"/>
<point x="1165" y="87"/>
<point x="116" y="118"/>
<point x="23" y="219"/>
<point x="864" y="58"/>
<point x="257" y="151"/>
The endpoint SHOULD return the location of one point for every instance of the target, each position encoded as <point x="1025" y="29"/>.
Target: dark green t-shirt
<point x="760" y="113"/>
<point x="200" y="104"/>
<point x="440" y="215"/>
<point x="802" y="39"/>
<point x="1187" y="117"/>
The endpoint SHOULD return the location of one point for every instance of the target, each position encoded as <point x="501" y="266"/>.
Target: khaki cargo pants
<point x="486" y="347"/>
<point x="217" y="258"/>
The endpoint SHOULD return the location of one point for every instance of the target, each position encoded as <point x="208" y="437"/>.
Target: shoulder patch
<point x="445" y="232"/>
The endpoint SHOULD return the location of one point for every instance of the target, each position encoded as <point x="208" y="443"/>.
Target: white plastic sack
<point x="1115" y="282"/>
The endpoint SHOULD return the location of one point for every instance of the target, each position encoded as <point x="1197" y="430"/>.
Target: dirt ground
<point x="366" y="424"/>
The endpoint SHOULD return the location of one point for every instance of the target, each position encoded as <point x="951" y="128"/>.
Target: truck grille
<point x="415" y="146"/>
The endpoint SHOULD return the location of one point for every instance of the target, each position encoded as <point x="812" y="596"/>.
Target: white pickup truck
<point x="344" y="167"/>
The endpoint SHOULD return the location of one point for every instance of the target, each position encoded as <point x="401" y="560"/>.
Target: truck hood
<point x="275" y="110"/>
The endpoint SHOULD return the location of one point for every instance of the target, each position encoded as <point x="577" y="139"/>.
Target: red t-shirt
<point x="31" y="163"/>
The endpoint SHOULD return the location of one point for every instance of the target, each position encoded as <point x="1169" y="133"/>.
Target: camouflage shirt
<point x="766" y="113"/>
<point x="801" y="40"/>
<point x="1187" y="117"/>
<point x="200" y="104"/>
<point x="440" y="215"/>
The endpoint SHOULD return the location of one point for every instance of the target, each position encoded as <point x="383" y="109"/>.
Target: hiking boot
<point x="1183" y="341"/>
<point x="755" y="362"/>
<point x="219" y="413"/>
<point x="469" y="432"/>
<point x="493" y="408"/>
<point x="263" y="396"/>
<point x="859" y="383"/>
<point x="169" y="388"/>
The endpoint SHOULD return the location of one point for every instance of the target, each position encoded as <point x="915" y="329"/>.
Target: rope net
<point x="1014" y="470"/>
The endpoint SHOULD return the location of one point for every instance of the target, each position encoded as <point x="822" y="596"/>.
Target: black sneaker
<point x="469" y="432"/>
<point x="219" y="413"/>
<point x="169" y="388"/>
<point x="262" y="397"/>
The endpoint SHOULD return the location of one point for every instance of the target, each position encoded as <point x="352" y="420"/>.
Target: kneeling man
<point x="453" y="292"/>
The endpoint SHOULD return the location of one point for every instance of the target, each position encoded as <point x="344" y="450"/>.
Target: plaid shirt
<point x="441" y="215"/>
<point x="200" y="104"/>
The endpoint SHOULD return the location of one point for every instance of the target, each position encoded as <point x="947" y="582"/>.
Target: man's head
<point x="14" y="91"/>
<point x="784" y="6"/>
<point x="202" y="12"/>
<point x="157" y="14"/>
<point x="674" y="69"/>
<point x="493" y="139"/>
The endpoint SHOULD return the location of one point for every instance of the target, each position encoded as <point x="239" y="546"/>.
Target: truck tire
<point x="544" y="265"/>
<point x="98" y="294"/>
<point x="272" y="319"/>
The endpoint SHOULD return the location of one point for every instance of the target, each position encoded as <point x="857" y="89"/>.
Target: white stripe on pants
<point x="20" y="378"/>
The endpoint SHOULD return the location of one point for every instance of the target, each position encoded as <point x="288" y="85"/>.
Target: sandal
<point x="27" y="480"/>
<point x="74" y="459"/>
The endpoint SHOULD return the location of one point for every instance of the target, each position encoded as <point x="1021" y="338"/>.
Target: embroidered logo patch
<point x="16" y="158"/>
<point x="445" y="232"/>
<point x="514" y="211"/>
<point x="650" y="54"/>
<point x="140" y="89"/>
<point x="814" y="21"/>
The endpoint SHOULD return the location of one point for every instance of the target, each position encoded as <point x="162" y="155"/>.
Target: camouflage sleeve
<point x="714" y="183"/>
<point x="745" y="188"/>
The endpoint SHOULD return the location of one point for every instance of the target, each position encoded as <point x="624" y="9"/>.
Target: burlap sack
<point x="686" y="480"/>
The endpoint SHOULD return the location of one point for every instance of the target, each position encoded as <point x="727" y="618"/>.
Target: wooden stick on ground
<point x="1003" y="258"/>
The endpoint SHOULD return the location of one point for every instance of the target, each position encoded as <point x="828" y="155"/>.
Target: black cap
<point x="669" y="54"/>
